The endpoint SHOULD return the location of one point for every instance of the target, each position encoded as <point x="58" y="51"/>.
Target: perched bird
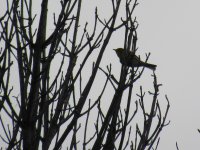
<point x="131" y="60"/>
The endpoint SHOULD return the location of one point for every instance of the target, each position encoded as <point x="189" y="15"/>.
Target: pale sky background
<point x="170" y="30"/>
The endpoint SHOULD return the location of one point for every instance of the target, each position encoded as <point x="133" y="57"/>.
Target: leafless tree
<point x="43" y="100"/>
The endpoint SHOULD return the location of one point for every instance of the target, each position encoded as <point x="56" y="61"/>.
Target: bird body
<point x="131" y="60"/>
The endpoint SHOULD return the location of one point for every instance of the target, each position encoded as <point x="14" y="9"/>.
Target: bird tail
<point x="150" y="66"/>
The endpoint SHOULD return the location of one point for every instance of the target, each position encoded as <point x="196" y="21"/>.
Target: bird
<point x="131" y="60"/>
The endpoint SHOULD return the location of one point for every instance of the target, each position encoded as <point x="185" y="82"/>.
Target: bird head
<point x="119" y="51"/>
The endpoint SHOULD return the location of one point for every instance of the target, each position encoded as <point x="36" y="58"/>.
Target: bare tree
<point x="43" y="109"/>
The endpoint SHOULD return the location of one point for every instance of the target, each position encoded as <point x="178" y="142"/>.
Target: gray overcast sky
<point x="170" y="29"/>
